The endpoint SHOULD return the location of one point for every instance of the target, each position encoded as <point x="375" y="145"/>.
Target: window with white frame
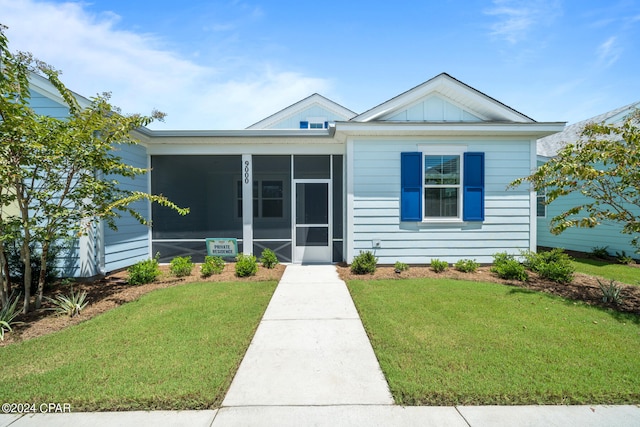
<point x="442" y="186"/>
<point x="541" y="204"/>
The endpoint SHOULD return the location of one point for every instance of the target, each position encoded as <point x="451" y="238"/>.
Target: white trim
<point x="533" y="200"/>
<point x="150" y="229"/>
<point x="348" y="174"/>
<point x="271" y="147"/>
<point x="444" y="150"/>
<point x="247" y="204"/>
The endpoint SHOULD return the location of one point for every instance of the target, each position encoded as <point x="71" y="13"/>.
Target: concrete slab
<point x="292" y="300"/>
<point x="339" y="416"/>
<point x="309" y="362"/>
<point x="552" y="416"/>
<point x="7" y="419"/>
<point x="121" y="419"/>
<point x="296" y="273"/>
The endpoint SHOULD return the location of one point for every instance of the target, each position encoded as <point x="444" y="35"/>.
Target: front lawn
<point x="175" y="348"/>
<point x="621" y="273"/>
<point x="453" y="342"/>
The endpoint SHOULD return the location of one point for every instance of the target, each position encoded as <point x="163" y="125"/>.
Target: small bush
<point x="246" y="265"/>
<point x="466" y="265"/>
<point x="364" y="263"/>
<point x="623" y="258"/>
<point x="181" y="266"/>
<point x="611" y="292"/>
<point x="600" y="252"/>
<point x="8" y="313"/>
<point x="400" y="266"/>
<point x="268" y="258"/>
<point x="144" y="271"/>
<point x="554" y="265"/>
<point x="439" y="266"/>
<point x="507" y="267"/>
<point x="70" y="305"/>
<point x="211" y="265"/>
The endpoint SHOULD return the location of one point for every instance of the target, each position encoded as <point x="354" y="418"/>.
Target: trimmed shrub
<point x="246" y="265"/>
<point x="181" y="266"/>
<point x="507" y="267"/>
<point x="400" y="266"/>
<point x="144" y="271"/>
<point x="554" y="265"/>
<point x="268" y="258"/>
<point x="211" y="265"/>
<point x="364" y="263"/>
<point x="466" y="265"/>
<point x="439" y="266"/>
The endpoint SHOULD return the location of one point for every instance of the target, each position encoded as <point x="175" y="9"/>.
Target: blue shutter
<point x="411" y="186"/>
<point x="304" y="125"/>
<point x="473" y="187"/>
<point x="326" y="125"/>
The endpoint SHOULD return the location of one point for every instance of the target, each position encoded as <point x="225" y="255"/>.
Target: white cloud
<point x="609" y="51"/>
<point x="142" y="73"/>
<point x="515" y="19"/>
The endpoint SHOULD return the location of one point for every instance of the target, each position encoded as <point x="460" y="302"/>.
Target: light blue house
<point x="580" y="239"/>
<point x="420" y="176"/>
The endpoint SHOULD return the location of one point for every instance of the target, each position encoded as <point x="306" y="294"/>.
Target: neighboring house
<point x="420" y="176"/>
<point x="580" y="239"/>
<point x="102" y="250"/>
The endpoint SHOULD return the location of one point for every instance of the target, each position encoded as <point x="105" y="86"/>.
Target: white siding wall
<point x="376" y="201"/>
<point x="130" y="243"/>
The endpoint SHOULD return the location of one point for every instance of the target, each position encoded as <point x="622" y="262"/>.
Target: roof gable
<point x="443" y="99"/>
<point x="314" y="107"/>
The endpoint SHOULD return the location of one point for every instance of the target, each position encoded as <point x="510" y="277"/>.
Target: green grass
<point x="450" y="342"/>
<point x="176" y="348"/>
<point x="618" y="272"/>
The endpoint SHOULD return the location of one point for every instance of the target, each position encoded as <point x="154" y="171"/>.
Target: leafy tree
<point x="604" y="166"/>
<point x="62" y="174"/>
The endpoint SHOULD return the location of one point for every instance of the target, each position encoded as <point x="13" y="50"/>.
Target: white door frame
<point x="312" y="254"/>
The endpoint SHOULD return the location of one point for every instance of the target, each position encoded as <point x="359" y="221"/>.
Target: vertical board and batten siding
<point x="376" y="195"/>
<point x="293" y="122"/>
<point x="582" y="239"/>
<point x="130" y="243"/>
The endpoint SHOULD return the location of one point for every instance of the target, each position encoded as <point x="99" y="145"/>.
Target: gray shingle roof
<point x="550" y="145"/>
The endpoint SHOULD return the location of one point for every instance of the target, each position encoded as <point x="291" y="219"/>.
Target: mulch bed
<point x="112" y="291"/>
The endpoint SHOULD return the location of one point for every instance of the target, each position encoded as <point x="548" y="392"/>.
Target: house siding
<point x="293" y="122"/>
<point x="582" y="239"/>
<point x="130" y="242"/>
<point x="47" y="107"/>
<point x="376" y="203"/>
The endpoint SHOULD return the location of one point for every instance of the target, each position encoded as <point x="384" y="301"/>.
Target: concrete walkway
<point x="310" y="364"/>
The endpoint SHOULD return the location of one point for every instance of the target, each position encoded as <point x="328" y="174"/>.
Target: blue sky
<point x="228" y="64"/>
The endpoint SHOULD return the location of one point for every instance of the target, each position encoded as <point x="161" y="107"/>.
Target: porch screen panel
<point x="338" y="209"/>
<point x="272" y="205"/>
<point x="204" y="184"/>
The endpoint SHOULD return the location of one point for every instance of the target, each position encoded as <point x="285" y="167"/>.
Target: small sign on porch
<point x="222" y="247"/>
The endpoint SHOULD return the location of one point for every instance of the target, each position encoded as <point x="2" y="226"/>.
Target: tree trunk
<point x="25" y="254"/>
<point x="43" y="274"/>
<point x="4" y="278"/>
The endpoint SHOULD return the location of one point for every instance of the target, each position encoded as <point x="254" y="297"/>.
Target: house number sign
<point x="246" y="171"/>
